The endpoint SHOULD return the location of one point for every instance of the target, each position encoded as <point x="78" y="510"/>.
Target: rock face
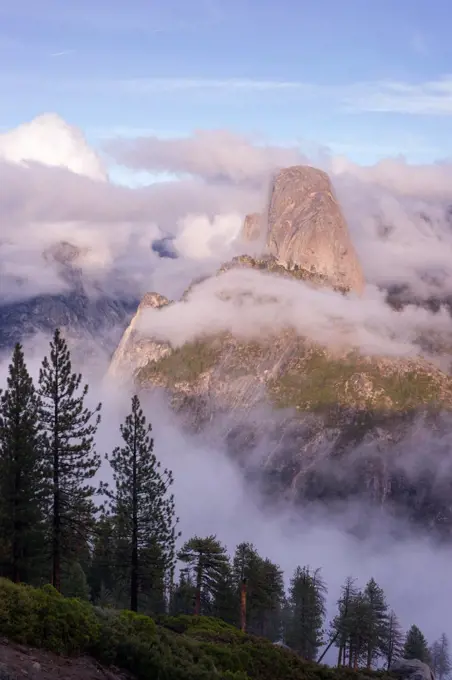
<point x="134" y="350"/>
<point x="411" y="669"/>
<point x="329" y="426"/>
<point x="306" y="228"/>
<point x="252" y="227"/>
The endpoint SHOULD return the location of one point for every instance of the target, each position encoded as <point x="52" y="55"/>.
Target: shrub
<point x="41" y="617"/>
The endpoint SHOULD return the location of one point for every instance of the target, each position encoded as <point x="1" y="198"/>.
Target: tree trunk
<point x="369" y="657"/>
<point x="16" y="530"/>
<point x="198" y="587"/>
<point x="134" y="564"/>
<point x="56" y="547"/>
<point x="243" y="605"/>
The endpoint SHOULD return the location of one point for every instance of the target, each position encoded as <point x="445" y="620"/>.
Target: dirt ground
<point x="18" y="662"/>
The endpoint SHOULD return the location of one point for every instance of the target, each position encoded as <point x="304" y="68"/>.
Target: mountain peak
<point x="306" y="228"/>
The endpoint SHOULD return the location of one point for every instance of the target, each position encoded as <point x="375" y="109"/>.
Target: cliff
<point x="306" y="228"/>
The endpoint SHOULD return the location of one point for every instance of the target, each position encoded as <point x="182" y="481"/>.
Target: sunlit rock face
<point x="306" y="228"/>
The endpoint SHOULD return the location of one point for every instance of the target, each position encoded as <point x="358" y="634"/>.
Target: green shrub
<point x="41" y="617"/>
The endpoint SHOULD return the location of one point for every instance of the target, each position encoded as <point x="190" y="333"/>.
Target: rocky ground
<point x="18" y="662"/>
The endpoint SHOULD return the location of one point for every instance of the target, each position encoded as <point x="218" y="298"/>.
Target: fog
<point x="251" y="304"/>
<point x="399" y="221"/>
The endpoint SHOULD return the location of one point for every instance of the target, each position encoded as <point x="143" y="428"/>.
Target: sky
<point x="365" y="79"/>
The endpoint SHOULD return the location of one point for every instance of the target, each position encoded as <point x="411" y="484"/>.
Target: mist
<point x="251" y="304"/>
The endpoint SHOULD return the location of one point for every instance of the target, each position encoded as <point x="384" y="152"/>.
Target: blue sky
<point x="366" y="78"/>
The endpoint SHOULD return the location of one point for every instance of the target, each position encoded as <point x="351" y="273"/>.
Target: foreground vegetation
<point x="168" y="648"/>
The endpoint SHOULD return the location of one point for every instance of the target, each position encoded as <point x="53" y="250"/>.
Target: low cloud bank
<point x="252" y="304"/>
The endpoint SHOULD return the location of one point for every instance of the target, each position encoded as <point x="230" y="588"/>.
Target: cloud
<point x="214" y="155"/>
<point x="50" y="140"/>
<point x="416" y="98"/>
<point x="397" y="213"/>
<point x="253" y="305"/>
<point x="63" y="53"/>
<point x="431" y="97"/>
<point x="200" y="237"/>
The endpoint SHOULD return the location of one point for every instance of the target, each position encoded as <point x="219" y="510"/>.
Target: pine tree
<point x="393" y="640"/>
<point x="206" y="559"/>
<point x="69" y="428"/>
<point x="378" y="621"/>
<point x="440" y="658"/>
<point x="22" y="471"/>
<point x="416" y="645"/>
<point x="265" y="591"/>
<point x="142" y="507"/>
<point x="360" y="629"/>
<point x="341" y="623"/>
<point x="307" y="612"/>
<point x="225" y="603"/>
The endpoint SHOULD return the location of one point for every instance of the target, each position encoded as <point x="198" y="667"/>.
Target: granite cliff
<point x="305" y="228"/>
<point x="309" y="421"/>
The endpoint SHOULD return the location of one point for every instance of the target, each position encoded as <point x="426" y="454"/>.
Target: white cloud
<point x="48" y="139"/>
<point x="201" y="238"/>
<point x="430" y="97"/>
<point x="397" y="213"/>
<point x="210" y="154"/>
<point x="251" y="304"/>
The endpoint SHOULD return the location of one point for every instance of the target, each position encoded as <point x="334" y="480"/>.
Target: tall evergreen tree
<point x="393" y="639"/>
<point x="69" y="428"/>
<point x="378" y="611"/>
<point x="225" y="603"/>
<point x="360" y="626"/>
<point x="307" y="593"/>
<point x="416" y="646"/>
<point x="341" y="622"/>
<point x="206" y="559"/>
<point x="265" y="591"/>
<point x="142" y="507"/>
<point x="22" y="471"/>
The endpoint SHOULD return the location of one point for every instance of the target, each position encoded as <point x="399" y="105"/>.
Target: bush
<point x="41" y="617"/>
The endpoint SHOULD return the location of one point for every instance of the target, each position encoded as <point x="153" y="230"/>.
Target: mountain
<point x="306" y="420"/>
<point x="306" y="228"/>
<point x="80" y="310"/>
